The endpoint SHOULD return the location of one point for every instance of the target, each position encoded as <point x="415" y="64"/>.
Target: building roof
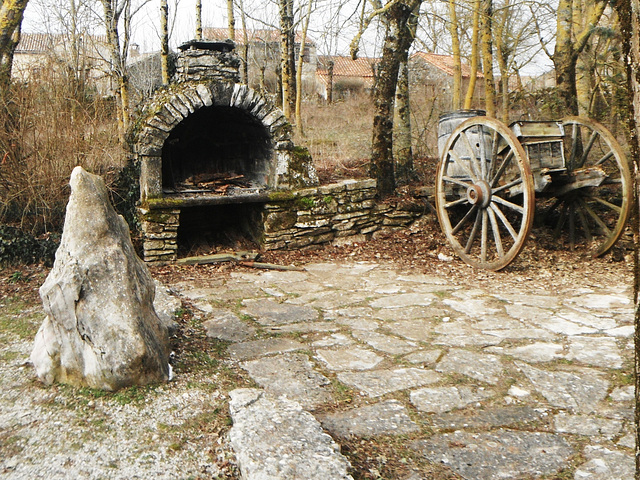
<point x="255" y="36"/>
<point x="347" y="67"/>
<point x="45" y="42"/>
<point x="444" y="63"/>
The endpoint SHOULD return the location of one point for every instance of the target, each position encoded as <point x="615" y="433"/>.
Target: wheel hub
<point x="479" y="194"/>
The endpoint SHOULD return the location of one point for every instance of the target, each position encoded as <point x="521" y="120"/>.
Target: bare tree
<point x="303" y="41"/>
<point x="164" y="41"/>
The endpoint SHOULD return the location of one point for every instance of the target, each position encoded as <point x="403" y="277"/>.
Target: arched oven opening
<point x="215" y="149"/>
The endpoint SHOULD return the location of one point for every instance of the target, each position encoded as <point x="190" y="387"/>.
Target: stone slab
<point x="225" y="325"/>
<point x="268" y="312"/>
<point x="384" y="418"/>
<point x="376" y="383"/>
<point x="351" y="358"/>
<point x="497" y="455"/>
<point x="404" y="300"/>
<point x="474" y="419"/>
<point x="605" y="464"/>
<point x="445" y="399"/>
<point x="385" y="343"/>
<point x="534" y="353"/>
<point x="580" y="392"/>
<point x="595" y="351"/>
<point x="264" y="346"/>
<point x="275" y="439"/>
<point x="484" y="367"/>
<point x="587" y="425"/>
<point x="292" y="376"/>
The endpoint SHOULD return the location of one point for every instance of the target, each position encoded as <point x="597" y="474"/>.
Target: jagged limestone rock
<point x="101" y="329"/>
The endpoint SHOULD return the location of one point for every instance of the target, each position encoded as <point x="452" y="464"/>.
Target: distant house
<point x="344" y="75"/>
<point x="431" y="75"/>
<point x="264" y="54"/>
<point x="47" y="54"/>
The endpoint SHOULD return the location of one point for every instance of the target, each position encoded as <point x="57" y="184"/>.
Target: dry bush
<point x="338" y="135"/>
<point x="46" y="129"/>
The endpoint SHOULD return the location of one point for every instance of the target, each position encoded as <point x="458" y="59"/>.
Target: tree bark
<point x="286" y="48"/>
<point x="198" y="19"/>
<point x="303" y="42"/>
<point x="487" y="58"/>
<point x="11" y="14"/>
<point x="402" y="128"/>
<point x="473" y="74"/>
<point x="569" y="44"/>
<point x="245" y="45"/>
<point x="164" y="41"/>
<point x="457" y="57"/>
<point x="629" y="17"/>
<point x="397" y="41"/>
<point x="232" y="20"/>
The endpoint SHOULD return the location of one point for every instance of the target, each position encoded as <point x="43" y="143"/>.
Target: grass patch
<point x="19" y="319"/>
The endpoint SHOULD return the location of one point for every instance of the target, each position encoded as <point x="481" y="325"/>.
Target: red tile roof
<point x="262" y="36"/>
<point x="443" y="62"/>
<point x="347" y="67"/>
<point x="45" y="42"/>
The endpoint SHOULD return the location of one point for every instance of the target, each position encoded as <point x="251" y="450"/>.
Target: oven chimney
<point x="200" y="60"/>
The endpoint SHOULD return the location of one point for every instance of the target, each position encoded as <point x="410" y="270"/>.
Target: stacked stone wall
<point x="160" y="231"/>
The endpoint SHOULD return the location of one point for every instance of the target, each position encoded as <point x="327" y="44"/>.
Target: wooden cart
<point x="490" y="177"/>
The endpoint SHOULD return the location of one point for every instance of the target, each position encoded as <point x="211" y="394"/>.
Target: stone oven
<point x="211" y="152"/>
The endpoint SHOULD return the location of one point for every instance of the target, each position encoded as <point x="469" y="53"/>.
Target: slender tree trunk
<point x="402" y="128"/>
<point x="473" y="74"/>
<point x="292" y="58"/>
<point x="487" y="58"/>
<point x="198" y="19"/>
<point x="330" y="80"/>
<point x="397" y="41"/>
<point x="457" y="57"/>
<point x="232" y="20"/>
<point x="164" y="41"/>
<point x="245" y="45"/>
<point x="303" y="42"/>
<point x="286" y="73"/>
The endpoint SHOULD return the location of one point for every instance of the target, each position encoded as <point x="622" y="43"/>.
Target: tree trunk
<point x="629" y="17"/>
<point x="569" y="44"/>
<point x="11" y="13"/>
<point x="198" y="19"/>
<point x="164" y="41"/>
<point x="232" y="20"/>
<point x="457" y="57"/>
<point x="397" y="41"/>
<point x="487" y="58"/>
<point x="330" y="80"/>
<point x="402" y="128"/>
<point x="473" y="74"/>
<point x="245" y="45"/>
<point x="303" y="41"/>
<point x="286" y="46"/>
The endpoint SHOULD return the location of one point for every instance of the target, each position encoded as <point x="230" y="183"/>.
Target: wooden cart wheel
<point x="484" y="193"/>
<point x="593" y="215"/>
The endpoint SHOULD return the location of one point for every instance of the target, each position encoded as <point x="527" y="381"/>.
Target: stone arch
<point x="172" y="106"/>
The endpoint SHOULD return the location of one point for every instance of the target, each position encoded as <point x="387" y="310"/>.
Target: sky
<point x="331" y="37"/>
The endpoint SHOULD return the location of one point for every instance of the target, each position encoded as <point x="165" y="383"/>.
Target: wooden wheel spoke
<point x="574" y="146"/>
<point x="456" y="181"/>
<point x="455" y="203"/>
<point x="483" y="155"/>
<point x="503" y="166"/>
<point x="587" y="149"/>
<point x="496" y="232"/>
<point x="585" y="225"/>
<point x="596" y="218"/>
<point x="485" y="236"/>
<point x="464" y="220"/>
<point x="506" y="186"/>
<point x="605" y="158"/>
<point x="606" y="203"/>
<point x="474" y="232"/>
<point x="508" y="204"/>
<point x="458" y="160"/>
<point x="473" y="160"/>
<point x="505" y="221"/>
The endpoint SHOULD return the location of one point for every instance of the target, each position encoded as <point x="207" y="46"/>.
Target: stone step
<point x="275" y="439"/>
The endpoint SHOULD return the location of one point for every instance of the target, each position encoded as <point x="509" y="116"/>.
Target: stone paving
<point x="516" y="382"/>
